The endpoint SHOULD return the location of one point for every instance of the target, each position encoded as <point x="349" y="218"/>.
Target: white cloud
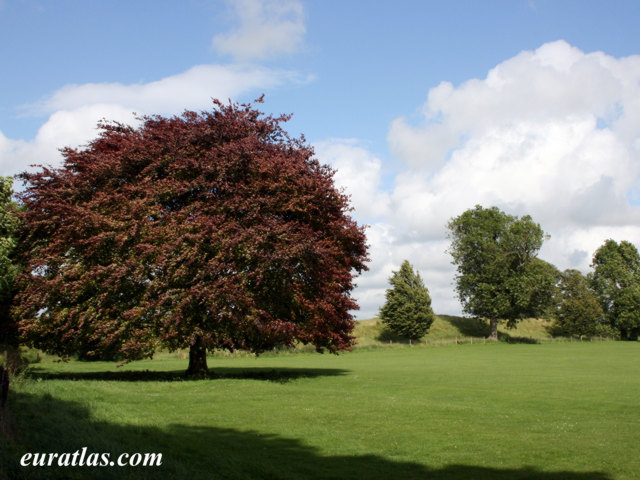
<point x="552" y="83"/>
<point x="192" y="89"/>
<point x="554" y="133"/>
<point x="359" y="173"/>
<point x="63" y="128"/>
<point x="8" y="151"/>
<point x="563" y="172"/>
<point x="268" y="28"/>
<point x="574" y="248"/>
<point x="75" y="110"/>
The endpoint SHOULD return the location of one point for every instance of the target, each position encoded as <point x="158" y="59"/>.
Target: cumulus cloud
<point x="267" y="28"/>
<point x="75" y="110"/>
<point x="565" y="173"/>
<point x="359" y="173"/>
<point x="8" y="152"/>
<point x="192" y="89"/>
<point x="64" y="128"/>
<point x="554" y="82"/>
<point x="554" y="133"/>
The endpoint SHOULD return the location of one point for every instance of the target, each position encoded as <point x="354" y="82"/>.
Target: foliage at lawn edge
<point x="578" y="311"/>
<point x="616" y="281"/>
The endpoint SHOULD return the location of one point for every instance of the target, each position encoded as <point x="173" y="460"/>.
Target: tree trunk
<point x="197" y="358"/>
<point x="4" y="385"/>
<point x="493" y="329"/>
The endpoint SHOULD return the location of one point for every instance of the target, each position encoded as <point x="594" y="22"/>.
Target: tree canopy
<point x="616" y="281"/>
<point x="207" y="230"/>
<point x="499" y="276"/>
<point x="8" y="267"/>
<point x="407" y="310"/>
<point x="578" y="311"/>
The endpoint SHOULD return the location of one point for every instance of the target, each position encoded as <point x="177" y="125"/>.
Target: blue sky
<point x="370" y="61"/>
<point x="537" y="113"/>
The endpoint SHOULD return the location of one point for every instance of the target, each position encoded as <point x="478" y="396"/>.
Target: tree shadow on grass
<point x="468" y="326"/>
<point x="50" y="425"/>
<point x="279" y="375"/>
<point x="505" y="337"/>
<point x="479" y="328"/>
<point x="387" y="335"/>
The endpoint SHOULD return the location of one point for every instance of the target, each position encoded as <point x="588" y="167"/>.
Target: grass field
<point x="548" y="411"/>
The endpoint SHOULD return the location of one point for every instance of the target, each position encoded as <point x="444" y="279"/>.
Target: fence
<point x="462" y="340"/>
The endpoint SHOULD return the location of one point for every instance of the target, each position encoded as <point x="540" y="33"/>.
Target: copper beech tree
<point x="208" y="230"/>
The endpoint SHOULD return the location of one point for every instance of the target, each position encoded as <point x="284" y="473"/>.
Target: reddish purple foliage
<point x="213" y="227"/>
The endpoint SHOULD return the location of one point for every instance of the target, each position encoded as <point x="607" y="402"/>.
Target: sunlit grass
<point x="549" y="411"/>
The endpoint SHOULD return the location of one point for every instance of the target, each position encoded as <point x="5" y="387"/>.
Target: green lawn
<point x="549" y="411"/>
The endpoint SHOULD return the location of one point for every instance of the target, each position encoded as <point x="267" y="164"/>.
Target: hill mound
<point x="449" y="328"/>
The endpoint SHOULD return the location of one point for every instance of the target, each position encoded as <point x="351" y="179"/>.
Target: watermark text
<point x="82" y="458"/>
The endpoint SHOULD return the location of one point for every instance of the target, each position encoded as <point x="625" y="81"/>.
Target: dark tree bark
<point x="4" y="386"/>
<point x="197" y="358"/>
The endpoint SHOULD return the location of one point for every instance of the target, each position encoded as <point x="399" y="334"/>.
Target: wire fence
<point x="465" y="340"/>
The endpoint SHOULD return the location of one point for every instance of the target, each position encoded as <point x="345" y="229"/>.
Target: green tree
<point x="407" y="310"/>
<point x="616" y="280"/>
<point x="8" y="268"/>
<point x="539" y="288"/>
<point x="499" y="276"/>
<point x="578" y="311"/>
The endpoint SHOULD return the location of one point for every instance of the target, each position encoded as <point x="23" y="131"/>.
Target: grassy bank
<point x="448" y="329"/>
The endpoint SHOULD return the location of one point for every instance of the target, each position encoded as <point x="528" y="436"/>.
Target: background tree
<point x="209" y="230"/>
<point x="499" y="276"/>
<point x="407" y="310"/>
<point x="616" y="280"/>
<point x="539" y="289"/>
<point x="578" y="311"/>
<point x="8" y="267"/>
